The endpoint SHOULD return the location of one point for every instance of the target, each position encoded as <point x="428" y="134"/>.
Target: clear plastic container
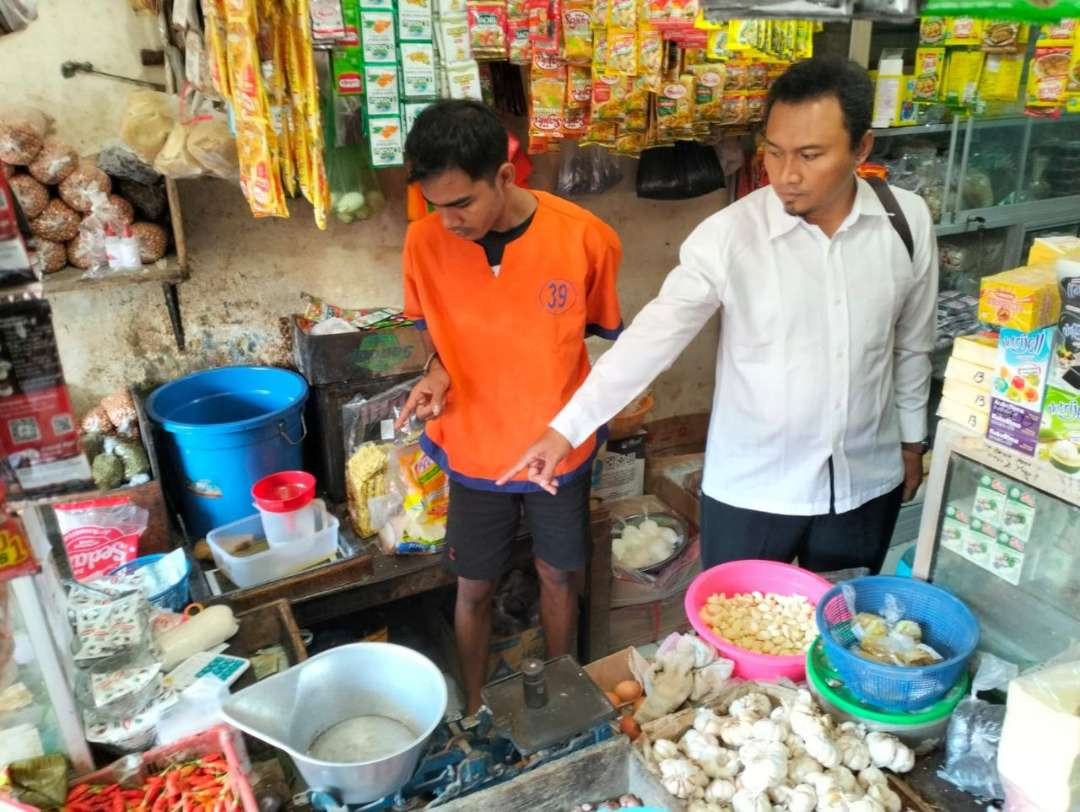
<point x="240" y="553"/>
<point x="288" y="528"/>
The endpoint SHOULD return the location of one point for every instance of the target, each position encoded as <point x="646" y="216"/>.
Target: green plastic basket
<point x="827" y="683"/>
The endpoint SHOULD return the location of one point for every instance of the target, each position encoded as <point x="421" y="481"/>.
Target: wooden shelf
<point x="167" y="271"/>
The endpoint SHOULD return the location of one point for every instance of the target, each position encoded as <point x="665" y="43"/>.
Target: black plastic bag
<point x="679" y="172"/>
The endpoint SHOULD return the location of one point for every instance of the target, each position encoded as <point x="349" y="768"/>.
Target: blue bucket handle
<point x="285" y="434"/>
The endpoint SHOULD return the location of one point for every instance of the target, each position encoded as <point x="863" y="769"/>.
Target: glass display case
<point x="1002" y="532"/>
<point x="38" y="713"/>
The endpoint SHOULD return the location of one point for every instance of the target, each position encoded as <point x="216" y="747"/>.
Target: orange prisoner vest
<point x="513" y="344"/>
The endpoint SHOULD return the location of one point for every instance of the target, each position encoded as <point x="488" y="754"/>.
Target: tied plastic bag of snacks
<point x="368" y="424"/>
<point x="887" y="637"/>
<point x="971" y="741"/>
<point x="418" y="497"/>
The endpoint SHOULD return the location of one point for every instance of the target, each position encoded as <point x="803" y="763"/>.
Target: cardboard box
<point x="1020" y="376"/>
<point x="970" y="397"/>
<point x="964" y="415"/>
<point x="619" y="472"/>
<point x="1024" y="299"/>
<point x="1047" y="249"/>
<point x="506" y="654"/>
<point x="1059" y="432"/>
<point x="980" y="349"/>
<point x="366" y="355"/>
<point x="646" y="623"/>
<point x="968" y="373"/>
<point x="609" y="671"/>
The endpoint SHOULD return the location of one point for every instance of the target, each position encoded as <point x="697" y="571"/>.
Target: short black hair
<point x="456" y="134"/>
<point x="828" y="76"/>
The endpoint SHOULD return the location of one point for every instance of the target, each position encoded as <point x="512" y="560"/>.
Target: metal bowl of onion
<point x="647" y="542"/>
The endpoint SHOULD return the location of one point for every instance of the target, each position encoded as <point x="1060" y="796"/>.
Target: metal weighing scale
<point x="534" y="717"/>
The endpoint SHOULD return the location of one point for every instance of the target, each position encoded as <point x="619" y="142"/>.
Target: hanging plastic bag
<point x="587" y="170"/>
<point x="971" y="742"/>
<point x="355" y="193"/>
<point x="148" y="119"/>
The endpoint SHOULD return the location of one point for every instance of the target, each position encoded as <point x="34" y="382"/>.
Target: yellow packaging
<point x="963" y="31"/>
<point x="650" y="55"/>
<point x="1062" y="33"/>
<point x="1024" y="299"/>
<point x="975" y="398"/>
<point x="622" y="52"/>
<point x="1072" y="80"/>
<point x="962" y="76"/>
<point x="1047" y="249"/>
<point x="716" y="46"/>
<point x="578" y="87"/>
<point x="1001" y="76"/>
<point x="260" y="178"/>
<point x="608" y="97"/>
<point x="709" y="92"/>
<point x="622" y="14"/>
<point x="971" y="419"/>
<point x="1047" y="76"/>
<point x="675" y="108"/>
<point x="933" y="31"/>
<point x="305" y="95"/>
<point x="214" y="23"/>
<point x="980" y="349"/>
<point x="637" y="106"/>
<point x="577" y="32"/>
<point x="929" y="73"/>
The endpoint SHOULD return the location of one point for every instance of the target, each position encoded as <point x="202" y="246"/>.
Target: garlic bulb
<point x="795" y="745"/>
<point x="735" y="731"/>
<point x="681" y="777"/>
<point x="694" y="742"/>
<point x="800" y="767"/>
<point x="870" y="776"/>
<point x="823" y="784"/>
<point x="833" y="800"/>
<point x="763" y="769"/>
<point x="856" y="729"/>
<point x="800" y="798"/>
<point x="844" y="779"/>
<point x="663" y="749"/>
<point x="720" y="790"/>
<point x="746" y="801"/>
<point x="752" y="706"/>
<point x="821" y="747"/>
<point x="889" y="753"/>
<point x="886" y="797"/>
<point x="863" y="804"/>
<point x="705" y="721"/>
<point x="854" y="753"/>
<point x="718" y="762"/>
<point x="772" y="730"/>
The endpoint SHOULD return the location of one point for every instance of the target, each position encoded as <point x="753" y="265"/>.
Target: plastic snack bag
<point x="100" y="534"/>
<point x="423" y="490"/>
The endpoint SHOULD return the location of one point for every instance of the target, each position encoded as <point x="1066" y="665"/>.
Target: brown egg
<point x="628" y="690"/>
<point x="630" y="727"/>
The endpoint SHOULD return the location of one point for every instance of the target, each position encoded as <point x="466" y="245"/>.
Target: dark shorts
<point x="833" y="541"/>
<point x="481" y="526"/>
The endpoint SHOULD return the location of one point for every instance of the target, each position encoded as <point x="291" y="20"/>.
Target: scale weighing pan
<point x="574" y="704"/>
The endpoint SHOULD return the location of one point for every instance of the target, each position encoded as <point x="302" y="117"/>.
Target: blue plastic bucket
<point x="221" y="431"/>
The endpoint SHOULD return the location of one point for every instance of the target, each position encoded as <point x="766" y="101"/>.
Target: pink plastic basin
<point x="753" y="575"/>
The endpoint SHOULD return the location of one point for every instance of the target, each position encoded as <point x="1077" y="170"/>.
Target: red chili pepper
<point x="160" y="804"/>
<point x="78" y="792"/>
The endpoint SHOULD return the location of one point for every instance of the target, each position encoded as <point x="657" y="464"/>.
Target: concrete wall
<point x="247" y="274"/>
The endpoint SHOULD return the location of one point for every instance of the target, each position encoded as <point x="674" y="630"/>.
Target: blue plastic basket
<point x="948" y="627"/>
<point x="174" y="597"/>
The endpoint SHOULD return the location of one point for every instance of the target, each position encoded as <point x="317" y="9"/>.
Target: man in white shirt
<point x="827" y="309"/>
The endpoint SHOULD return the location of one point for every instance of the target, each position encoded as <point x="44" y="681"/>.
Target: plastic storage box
<point x="275" y="561"/>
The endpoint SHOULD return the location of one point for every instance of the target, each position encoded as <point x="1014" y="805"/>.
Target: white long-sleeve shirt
<point x="824" y="351"/>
